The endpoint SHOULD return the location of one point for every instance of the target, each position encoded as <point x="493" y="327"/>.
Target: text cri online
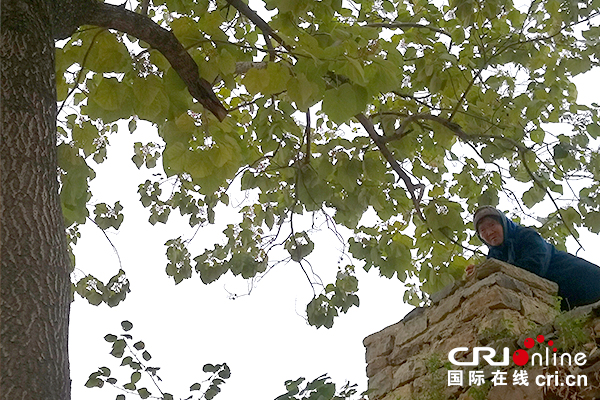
<point x="517" y="378"/>
<point x="554" y="380"/>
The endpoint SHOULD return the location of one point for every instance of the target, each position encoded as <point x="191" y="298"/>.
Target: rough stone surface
<point x="444" y="308"/>
<point x="500" y="306"/>
<point x="549" y="299"/>
<point x="531" y="392"/>
<point x="375" y="337"/>
<point x="411" y="329"/>
<point x="381" y="383"/>
<point x="417" y="311"/>
<point x="409" y="371"/>
<point x="445" y="292"/>
<point x="502" y="323"/>
<point x="378" y="346"/>
<point x="537" y="311"/>
<point x="483" y="301"/>
<point x="376" y="365"/>
<point x="403" y="392"/>
<point x="402" y="353"/>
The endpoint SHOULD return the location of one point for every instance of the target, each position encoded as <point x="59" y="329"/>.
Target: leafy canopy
<point x="410" y="112"/>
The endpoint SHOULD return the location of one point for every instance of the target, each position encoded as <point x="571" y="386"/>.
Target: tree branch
<point x="259" y="22"/>
<point x="537" y="182"/>
<point x="452" y="126"/>
<point x="457" y="130"/>
<point x="405" y="25"/>
<point x="143" y="28"/>
<point x="308" y="138"/>
<point x="410" y="186"/>
<point x="80" y="73"/>
<point x="415" y="98"/>
<point x="144" y="7"/>
<point x="464" y="95"/>
<point x="401" y="131"/>
<point x="244" y="66"/>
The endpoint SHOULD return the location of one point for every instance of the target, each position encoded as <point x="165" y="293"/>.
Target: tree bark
<point x="34" y="268"/>
<point x="35" y="287"/>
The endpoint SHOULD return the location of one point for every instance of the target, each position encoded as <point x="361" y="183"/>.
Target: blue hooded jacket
<point x="578" y="280"/>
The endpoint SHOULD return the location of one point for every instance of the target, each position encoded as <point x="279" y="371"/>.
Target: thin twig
<point x="464" y="95"/>
<point x="258" y="21"/>
<point x="410" y="186"/>
<point x="308" y="138"/>
<point x="406" y="25"/>
<point x="80" y="72"/>
<point x="109" y="241"/>
<point x="145" y="369"/>
<point x="293" y="237"/>
<point x="145" y="4"/>
<point x="545" y="189"/>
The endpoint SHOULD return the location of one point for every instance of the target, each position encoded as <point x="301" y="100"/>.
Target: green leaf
<point x="594" y="130"/>
<point x="110" y="338"/>
<point x="85" y="136"/>
<point x="209" y="368"/>
<point x="278" y="77"/>
<point x="132" y="126"/>
<point x="561" y="150"/>
<point x="118" y="348"/>
<point x="533" y="196"/>
<point x="186" y="30"/>
<point x="195" y="386"/>
<point x="538" y="136"/>
<point x="138" y="160"/>
<point x="139" y="345"/>
<point x="299" y="246"/>
<point x="320" y="312"/>
<point x="256" y="80"/>
<point x="211" y="392"/>
<point x="226" y="62"/>
<point x="344" y="102"/>
<point x="109" y="94"/>
<point x="225" y="373"/>
<point x="94" y="382"/>
<point x="152" y="101"/>
<point x="107" y="54"/>
<point x="303" y="92"/>
<point x="126" y="325"/>
<point x="144" y="393"/>
<point x="135" y="377"/>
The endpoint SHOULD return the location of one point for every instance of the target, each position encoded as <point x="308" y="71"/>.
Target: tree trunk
<point x="34" y="269"/>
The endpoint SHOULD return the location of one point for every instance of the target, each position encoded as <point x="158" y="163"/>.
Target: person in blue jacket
<point x="578" y="280"/>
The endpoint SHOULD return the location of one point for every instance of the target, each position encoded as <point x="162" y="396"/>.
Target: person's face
<point x="491" y="231"/>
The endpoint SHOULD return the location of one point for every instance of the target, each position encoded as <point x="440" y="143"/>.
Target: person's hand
<point x="470" y="270"/>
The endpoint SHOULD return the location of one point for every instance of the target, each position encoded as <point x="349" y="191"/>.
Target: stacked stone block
<point x="499" y="303"/>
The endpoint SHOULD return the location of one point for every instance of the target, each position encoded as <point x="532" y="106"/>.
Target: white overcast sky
<point x="262" y="337"/>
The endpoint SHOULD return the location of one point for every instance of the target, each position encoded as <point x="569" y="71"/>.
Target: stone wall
<point x="499" y="306"/>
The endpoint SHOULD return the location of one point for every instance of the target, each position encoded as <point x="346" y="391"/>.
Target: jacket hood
<point x="507" y="250"/>
<point x="485" y="211"/>
<point x="509" y="228"/>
